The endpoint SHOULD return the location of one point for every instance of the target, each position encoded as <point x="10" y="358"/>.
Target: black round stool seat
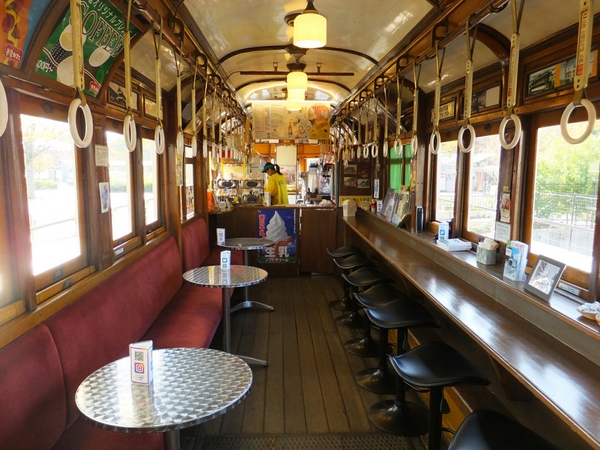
<point x="346" y="250"/>
<point x="435" y="365"/>
<point x="360" y="278"/>
<point x="489" y="430"/>
<point x="347" y="263"/>
<point x="365" y="276"/>
<point x="352" y="262"/>
<point x="402" y="314"/>
<point x="399" y="314"/>
<point x="379" y="295"/>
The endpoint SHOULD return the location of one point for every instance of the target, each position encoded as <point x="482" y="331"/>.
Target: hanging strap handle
<point x="435" y="141"/>
<point x="414" y="141"/>
<point x="582" y="70"/>
<point x="385" y="120"/>
<point x="159" y="132"/>
<point x="78" y="80"/>
<point x="129" y="128"/>
<point x="468" y="97"/>
<point x="513" y="72"/>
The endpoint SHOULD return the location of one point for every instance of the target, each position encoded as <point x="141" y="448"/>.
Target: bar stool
<point x="400" y="314"/>
<point x="348" y="263"/>
<point x="489" y="430"/>
<point x="435" y="365"/>
<point x="359" y="279"/>
<point x="374" y="297"/>
<point x="344" y="251"/>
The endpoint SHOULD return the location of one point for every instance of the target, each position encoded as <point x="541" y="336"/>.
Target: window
<point x="446" y="181"/>
<point x="52" y="191"/>
<point x="120" y="187"/>
<point x="151" y="183"/>
<point x="400" y="166"/>
<point x="483" y="185"/>
<point x="190" y="206"/>
<point x="565" y="194"/>
<point x="5" y="286"/>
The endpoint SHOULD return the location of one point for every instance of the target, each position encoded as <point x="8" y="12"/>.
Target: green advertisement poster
<point x="103" y="30"/>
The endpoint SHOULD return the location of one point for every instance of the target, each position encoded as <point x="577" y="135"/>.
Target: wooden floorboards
<point x="308" y="387"/>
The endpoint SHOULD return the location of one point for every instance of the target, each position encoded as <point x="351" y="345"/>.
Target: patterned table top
<point x="191" y="386"/>
<point x="236" y="276"/>
<point x="246" y="243"/>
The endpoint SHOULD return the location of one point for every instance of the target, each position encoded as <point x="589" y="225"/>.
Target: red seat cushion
<point x="32" y="392"/>
<point x="190" y="320"/>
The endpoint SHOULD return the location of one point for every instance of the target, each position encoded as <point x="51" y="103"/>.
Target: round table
<point x="246" y="244"/>
<point x="191" y="386"/>
<point x="236" y="276"/>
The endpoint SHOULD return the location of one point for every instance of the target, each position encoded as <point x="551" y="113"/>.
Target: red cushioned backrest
<point x="195" y="243"/>
<point x="32" y="392"/>
<point x="98" y="328"/>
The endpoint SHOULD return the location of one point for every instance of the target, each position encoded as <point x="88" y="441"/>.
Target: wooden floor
<point x="308" y="387"/>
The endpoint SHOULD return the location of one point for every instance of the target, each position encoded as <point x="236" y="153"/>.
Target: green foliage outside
<point x="45" y="184"/>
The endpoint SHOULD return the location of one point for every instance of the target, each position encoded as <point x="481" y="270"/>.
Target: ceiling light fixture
<point x="310" y="28"/>
<point x="297" y="81"/>
<point x="293" y="105"/>
<point x="297" y="96"/>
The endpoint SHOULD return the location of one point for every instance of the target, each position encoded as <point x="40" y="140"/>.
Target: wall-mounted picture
<point x="485" y="99"/>
<point x="557" y="75"/>
<point x="116" y="95"/>
<point x="363" y="183"/>
<point x="350" y="169"/>
<point x="544" y="277"/>
<point x="150" y="107"/>
<point x="349" y="181"/>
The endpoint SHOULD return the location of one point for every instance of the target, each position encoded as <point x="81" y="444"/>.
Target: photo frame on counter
<point x="544" y="277"/>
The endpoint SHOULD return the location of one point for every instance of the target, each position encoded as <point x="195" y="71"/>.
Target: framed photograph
<point x="350" y="169"/>
<point x="116" y="95"/>
<point x="544" y="277"/>
<point x="150" y="108"/>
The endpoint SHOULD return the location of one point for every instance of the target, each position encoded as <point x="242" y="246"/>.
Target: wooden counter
<point x="548" y="352"/>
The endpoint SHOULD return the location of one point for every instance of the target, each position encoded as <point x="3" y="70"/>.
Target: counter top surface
<point x="560" y="377"/>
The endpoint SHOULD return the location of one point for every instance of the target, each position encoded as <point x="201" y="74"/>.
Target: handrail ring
<point x="435" y="142"/>
<point x="461" y="133"/>
<point x="194" y="146"/>
<point x="414" y="144"/>
<point x="3" y="109"/>
<point x="385" y="148"/>
<point x="374" y="150"/>
<point x="180" y="142"/>
<point x="564" y="121"/>
<point x="159" y="139"/>
<point x="517" y="136"/>
<point x="72" y="120"/>
<point x="365" y="151"/>
<point x="130" y="132"/>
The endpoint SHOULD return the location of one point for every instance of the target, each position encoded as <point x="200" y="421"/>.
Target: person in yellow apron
<point x="277" y="185"/>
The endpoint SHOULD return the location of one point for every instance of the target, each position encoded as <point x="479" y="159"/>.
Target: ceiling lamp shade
<point x="293" y="105"/>
<point x="297" y="96"/>
<point x="297" y="81"/>
<point x="310" y="28"/>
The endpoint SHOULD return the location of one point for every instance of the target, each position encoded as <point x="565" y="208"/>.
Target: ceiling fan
<point x="296" y="66"/>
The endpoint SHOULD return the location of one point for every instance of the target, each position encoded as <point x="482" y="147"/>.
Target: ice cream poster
<point x="103" y="31"/>
<point x="279" y="226"/>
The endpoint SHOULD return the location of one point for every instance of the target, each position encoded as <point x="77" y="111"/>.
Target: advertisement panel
<point x="279" y="226"/>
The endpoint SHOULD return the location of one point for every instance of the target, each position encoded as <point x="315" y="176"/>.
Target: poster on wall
<point x="103" y="30"/>
<point x="19" y="19"/>
<point x="272" y="120"/>
<point x="279" y="226"/>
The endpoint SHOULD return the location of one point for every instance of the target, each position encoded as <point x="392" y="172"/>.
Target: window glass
<point x="51" y="176"/>
<point x="5" y="297"/>
<point x="483" y="185"/>
<point x="120" y="185"/>
<point x="150" y="165"/>
<point x="396" y="167"/>
<point x="189" y="189"/>
<point x="446" y="180"/>
<point x="566" y="186"/>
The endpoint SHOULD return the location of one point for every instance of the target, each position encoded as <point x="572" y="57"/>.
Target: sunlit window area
<point x="51" y="175"/>
<point x="120" y="185"/>
<point x="446" y="181"/>
<point x="150" y="164"/>
<point x="189" y="183"/>
<point x="566" y="186"/>
<point x="400" y="166"/>
<point x="483" y="185"/>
